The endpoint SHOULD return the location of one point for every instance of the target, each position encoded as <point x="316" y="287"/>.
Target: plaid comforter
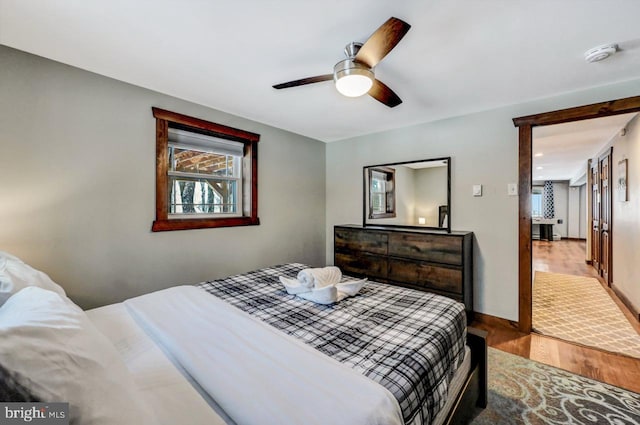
<point x="409" y="341"/>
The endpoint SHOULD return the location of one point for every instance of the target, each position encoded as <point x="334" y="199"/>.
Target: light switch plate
<point x="512" y="189"/>
<point x="477" y="190"/>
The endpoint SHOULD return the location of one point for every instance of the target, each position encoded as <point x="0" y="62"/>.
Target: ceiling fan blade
<point x="382" y="41"/>
<point x="304" y="81"/>
<point x="383" y="94"/>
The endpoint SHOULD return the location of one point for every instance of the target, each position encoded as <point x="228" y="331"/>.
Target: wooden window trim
<point x="250" y="140"/>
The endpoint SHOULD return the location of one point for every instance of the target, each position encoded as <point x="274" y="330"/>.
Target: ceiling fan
<point x="355" y="76"/>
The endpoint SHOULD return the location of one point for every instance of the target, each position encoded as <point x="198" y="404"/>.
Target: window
<point x="536" y="201"/>
<point x="206" y="174"/>
<point x="382" y="192"/>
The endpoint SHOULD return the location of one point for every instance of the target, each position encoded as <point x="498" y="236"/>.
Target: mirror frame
<point x="365" y="189"/>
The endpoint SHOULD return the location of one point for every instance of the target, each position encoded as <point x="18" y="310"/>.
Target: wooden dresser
<point x="427" y="260"/>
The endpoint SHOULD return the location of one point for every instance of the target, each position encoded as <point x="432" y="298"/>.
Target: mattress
<point x="171" y="393"/>
<point x="410" y="342"/>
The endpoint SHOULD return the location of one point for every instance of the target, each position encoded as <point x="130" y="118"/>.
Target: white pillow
<point x="15" y="275"/>
<point x="51" y="348"/>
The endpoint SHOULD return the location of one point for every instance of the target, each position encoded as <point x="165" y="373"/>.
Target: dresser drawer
<point x="372" y="266"/>
<point x="347" y="240"/>
<point x="454" y="296"/>
<point x="425" y="275"/>
<point x="426" y="247"/>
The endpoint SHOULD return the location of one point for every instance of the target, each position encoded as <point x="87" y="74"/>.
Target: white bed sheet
<point x="258" y="374"/>
<point x="168" y="390"/>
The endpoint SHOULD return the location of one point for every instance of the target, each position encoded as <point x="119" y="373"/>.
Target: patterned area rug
<point x="522" y="391"/>
<point x="578" y="309"/>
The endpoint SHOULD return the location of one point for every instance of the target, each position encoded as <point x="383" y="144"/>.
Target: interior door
<point x="605" y="217"/>
<point x="595" y="216"/>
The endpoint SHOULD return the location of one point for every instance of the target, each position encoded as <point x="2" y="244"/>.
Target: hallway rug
<point x="522" y="391"/>
<point x="578" y="309"/>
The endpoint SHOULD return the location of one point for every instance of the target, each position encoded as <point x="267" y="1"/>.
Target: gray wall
<point x="573" y="217"/>
<point x="77" y="178"/>
<point x="561" y="204"/>
<point x="626" y="215"/>
<point x="483" y="147"/>
<point x="583" y="225"/>
<point x="431" y="192"/>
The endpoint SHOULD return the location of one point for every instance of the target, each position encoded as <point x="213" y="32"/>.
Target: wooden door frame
<point x="607" y="153"/>
<point x="525" y="141"/>
<point x="593" y="168"/>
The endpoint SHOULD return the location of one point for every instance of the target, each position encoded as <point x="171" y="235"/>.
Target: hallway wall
<point x="626" y="215"/>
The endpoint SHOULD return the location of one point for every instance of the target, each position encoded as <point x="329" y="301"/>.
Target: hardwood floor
<point x="613" y="369"/>
<point x="564" y="256"/>
<point x="568" y="257"/>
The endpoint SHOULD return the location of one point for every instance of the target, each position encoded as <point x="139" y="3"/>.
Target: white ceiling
<point x="459" y="56"/>
<point x="565" y="148"/>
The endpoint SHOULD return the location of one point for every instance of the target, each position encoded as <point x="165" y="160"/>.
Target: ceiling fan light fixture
<point x="352" y="79"/>
<point x="354" y="76"/>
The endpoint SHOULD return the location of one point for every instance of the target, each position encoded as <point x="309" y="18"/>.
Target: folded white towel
<point x="320" y="277"/>
<point x="293" y="286"/>
<point x="326" y="295"/>
<point x="351" y="287"/>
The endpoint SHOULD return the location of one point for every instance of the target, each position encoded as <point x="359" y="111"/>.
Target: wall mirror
<point x="408" y="194"/>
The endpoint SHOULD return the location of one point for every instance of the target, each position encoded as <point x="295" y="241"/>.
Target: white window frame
<point x="182" y="139"/>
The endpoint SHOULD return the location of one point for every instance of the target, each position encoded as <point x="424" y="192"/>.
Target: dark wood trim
<point x="163" y="114"/>
<point x="608" y="153"/>
<point x="477" y="342"/>
<point x="595" y="110"/>
<point x="390" y="175"/>
<point x="202" y="223"/>
<point x="525" y="124"/>
<point x="589" y="262"/>
<point x="626" y="301"/>
<point x="162" y="164"/>
<point x="449" y="166"/>
<point x="574" y="239"/>
<point x="166" y="119"/>
<point x="493" y="321"/>
<point x="253" y="154"/>
<point x="524" y="228"/>
<point x="592" y="261"/>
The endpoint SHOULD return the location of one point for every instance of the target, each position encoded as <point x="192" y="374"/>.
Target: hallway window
<point x="536" y="201"/>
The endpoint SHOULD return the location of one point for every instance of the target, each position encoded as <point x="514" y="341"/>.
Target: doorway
<point x="525" y="142"/>
<point x="571" y="299"/>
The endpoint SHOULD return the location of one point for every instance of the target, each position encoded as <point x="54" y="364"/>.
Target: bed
<point x="241" y="350"/>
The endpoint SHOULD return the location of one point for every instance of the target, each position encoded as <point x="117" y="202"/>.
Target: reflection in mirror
<point x="408" y="194"/>
<point x="382" y="193"/>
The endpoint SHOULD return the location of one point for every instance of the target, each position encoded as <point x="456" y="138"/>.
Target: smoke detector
<point x="600" y="53"/>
